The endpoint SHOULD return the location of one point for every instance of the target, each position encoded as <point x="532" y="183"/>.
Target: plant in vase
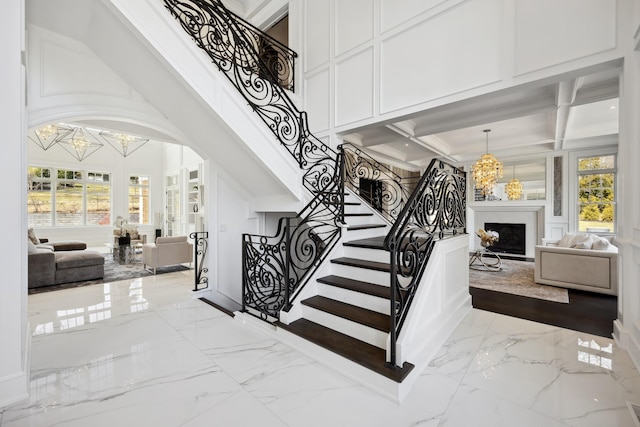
<point x="487" y="238"/>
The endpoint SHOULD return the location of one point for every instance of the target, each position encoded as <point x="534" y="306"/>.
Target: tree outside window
<point x="596" y="193"/>
<point x="39" y="197"/>
<point x="66" y="197"/>
<point x="139" y="199"/>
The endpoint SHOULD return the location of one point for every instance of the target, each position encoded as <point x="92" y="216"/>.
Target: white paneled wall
<point x="354" y="88"/>
<point x="354" y="24"/>
<point x="541" y="35"/>
<point x="391" y="58"/>
<point x="445" y="54"/>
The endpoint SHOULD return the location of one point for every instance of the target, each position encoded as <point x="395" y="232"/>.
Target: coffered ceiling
<point x="572" y="113"/>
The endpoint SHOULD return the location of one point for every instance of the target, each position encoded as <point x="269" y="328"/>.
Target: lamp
<point x="124" y="144"/>
<point x="47" y="136"/>
<point x="487" y="170"/>
<point x="80" y="143"/>
<point x="514" y="187"/>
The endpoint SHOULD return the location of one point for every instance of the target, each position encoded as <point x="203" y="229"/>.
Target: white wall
<point x="13" y="287"/>
<point x="366" y="61"/>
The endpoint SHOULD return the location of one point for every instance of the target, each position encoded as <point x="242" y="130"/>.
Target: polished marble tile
<point x="145" y="352"/>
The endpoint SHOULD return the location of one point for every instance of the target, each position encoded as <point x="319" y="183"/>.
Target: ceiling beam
<point x="565" y="97"/>
<point x="483" y="114"/>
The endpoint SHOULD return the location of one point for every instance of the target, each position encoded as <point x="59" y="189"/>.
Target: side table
<point x="485" y="259"/>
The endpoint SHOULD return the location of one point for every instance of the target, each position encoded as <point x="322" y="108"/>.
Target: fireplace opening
<point x="512" y="237"/>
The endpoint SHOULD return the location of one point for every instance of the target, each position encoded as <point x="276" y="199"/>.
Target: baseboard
<point x="625" y="339"/>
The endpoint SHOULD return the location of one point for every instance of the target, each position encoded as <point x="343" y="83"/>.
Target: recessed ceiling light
<point x="613" y="107"/>
<point x="406" y="145"/>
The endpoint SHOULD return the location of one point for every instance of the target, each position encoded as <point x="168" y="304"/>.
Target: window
<point x="39" y="197"/>
<point x="67" y="197"/>
<point x="139" y="199"/>
<point x="596" y="193"/>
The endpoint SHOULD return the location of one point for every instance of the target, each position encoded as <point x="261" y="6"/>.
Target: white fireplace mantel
<point x="530" y="215"/>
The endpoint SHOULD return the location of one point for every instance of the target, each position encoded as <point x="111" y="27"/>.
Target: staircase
<point x="349" y="315"/>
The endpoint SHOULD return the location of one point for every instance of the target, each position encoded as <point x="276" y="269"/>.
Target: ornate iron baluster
<point x="273" y="266"/>
<point x="278" y="58"/>
<point x="200" y="247"/>
<point x="392" y="192"/>
<point x="435" y="211"/>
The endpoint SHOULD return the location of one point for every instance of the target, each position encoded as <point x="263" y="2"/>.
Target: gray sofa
<point x="577" y="266"/>
<point x="48" y="266"/>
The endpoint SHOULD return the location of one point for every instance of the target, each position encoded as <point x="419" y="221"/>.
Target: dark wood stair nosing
<point x="362" y="263"/>
<point x="362" y="316"/>
<point x="359" y="286"/>
<point x="360" y="352"/>
<point x="364" y="226"/>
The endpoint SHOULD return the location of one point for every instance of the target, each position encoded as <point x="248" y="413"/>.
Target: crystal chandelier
<point x="514" y="187"/>
<point x="123" y="143"/>
<point x="80" y="143"/>
<point x="487" y="170"/>
<point x="47" y="136"/>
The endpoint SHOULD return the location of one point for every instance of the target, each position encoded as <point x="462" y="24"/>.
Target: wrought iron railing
<point x="435" y="211"/>
<point x="200" y="248"/>
<point x="382" y="188"/>
<point x="275" y="267"/>
<point x="277" y="57"/>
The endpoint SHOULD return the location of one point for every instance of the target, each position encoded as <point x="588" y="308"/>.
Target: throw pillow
<point x="31" y="247"/>
<point x="600" y="243"/>
<point x="566" y="240"/>
<point x="582" y="242"/>
<point x="32" y="236"/>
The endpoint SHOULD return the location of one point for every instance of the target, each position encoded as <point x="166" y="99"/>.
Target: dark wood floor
<point x="586" y="312"/>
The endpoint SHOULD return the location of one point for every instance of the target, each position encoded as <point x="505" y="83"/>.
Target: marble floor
<point x="144" y="352"/>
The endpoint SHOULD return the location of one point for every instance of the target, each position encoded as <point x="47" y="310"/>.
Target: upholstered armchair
<point x="167" y="251"/>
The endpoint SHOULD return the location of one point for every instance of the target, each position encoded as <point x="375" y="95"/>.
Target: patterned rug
<point x="113" y="271"/>
<point x="516" y="277"/>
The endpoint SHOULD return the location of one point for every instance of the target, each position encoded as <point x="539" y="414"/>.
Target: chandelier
<point x="47" y="136"/>
<point x="487" y="170"/>
<point x="124" y="144"/>
<point x="514" y="187"/>
<point x="80" y="143"/>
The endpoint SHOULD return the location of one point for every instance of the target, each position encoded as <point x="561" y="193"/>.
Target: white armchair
<point x="167" y="251"/>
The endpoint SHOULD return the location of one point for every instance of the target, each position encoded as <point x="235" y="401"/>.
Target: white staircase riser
<point x="365" y="234"/>
<point x="376" y="255"/>
<point x="347" y="327"/>
<point x="370" y="302"/>
<point x="358" y="220"/>
<point x="362" y="274"/>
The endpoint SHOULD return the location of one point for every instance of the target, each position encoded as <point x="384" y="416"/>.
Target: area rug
<point x="516" y="277"/>
<point x="113" y="272"/>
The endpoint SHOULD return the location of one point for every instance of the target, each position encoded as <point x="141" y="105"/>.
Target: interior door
<point x="172" y="206"/>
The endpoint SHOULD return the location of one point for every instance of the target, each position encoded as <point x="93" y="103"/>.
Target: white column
<point x="627" y="327"/>
<point x="13" y="253"/>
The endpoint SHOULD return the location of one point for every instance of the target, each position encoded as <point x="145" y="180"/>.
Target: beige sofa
<point x="167" y="251"/>
<point x="578" y="266"/>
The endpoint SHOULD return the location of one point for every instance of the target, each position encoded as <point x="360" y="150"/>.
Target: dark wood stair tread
<point x="369" y="243"/>
<point x="366" y="288"/>
<point x="365" y="226"/>
<point x="359" y="214"/>
<point x="363" y="263"/>
<point x="362" y="353"/>
<point x="360" y="315"/>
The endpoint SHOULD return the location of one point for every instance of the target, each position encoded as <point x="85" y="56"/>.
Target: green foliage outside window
<point x="596" y="192"/>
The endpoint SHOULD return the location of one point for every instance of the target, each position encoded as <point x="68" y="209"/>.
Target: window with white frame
<point x="597" y="193"/>
<point x="139" y="199"/>
<point x="67" y="197"/>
